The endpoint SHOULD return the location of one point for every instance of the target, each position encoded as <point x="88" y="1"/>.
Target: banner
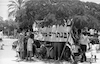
<point x="54" y="33"/>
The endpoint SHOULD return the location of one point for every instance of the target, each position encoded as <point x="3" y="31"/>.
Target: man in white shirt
<point x="83" y="44"/>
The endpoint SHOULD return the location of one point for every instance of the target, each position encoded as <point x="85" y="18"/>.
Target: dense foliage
<point x="84" y="14"/>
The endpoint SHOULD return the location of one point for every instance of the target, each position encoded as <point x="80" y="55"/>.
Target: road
<point x="7" y="56"/>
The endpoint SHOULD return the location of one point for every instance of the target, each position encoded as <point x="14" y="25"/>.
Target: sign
<point x="54" y="33"/>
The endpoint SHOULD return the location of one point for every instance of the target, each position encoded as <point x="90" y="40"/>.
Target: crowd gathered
<point x="27" y="48"/>
<point x="25" y="43"/>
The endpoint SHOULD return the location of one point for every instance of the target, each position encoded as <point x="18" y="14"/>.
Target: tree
<point x="15" y="9"/>
<point x="1" y="23"/>
<point x="55" y="11"/>
<point x="9" y="26"/>
<point x="15" y="6"/>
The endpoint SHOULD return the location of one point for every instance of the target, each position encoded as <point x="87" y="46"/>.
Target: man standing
<point x="84" y="40"/>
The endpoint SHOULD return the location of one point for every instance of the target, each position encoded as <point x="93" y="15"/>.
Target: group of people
<point x="25" y="46"/>
<point x="84" y="44"/>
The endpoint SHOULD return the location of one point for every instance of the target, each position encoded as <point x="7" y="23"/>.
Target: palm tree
<point x="15" y="6"/>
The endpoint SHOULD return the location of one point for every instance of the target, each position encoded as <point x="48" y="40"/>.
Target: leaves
<point x="14" y="7"/>
<point x="55" y="11"/>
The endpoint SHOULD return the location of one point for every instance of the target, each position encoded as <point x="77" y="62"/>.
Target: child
<point x="93" y="52"/>
<point x="29" y="47"/>
<point x="18" y="51"/>
<point x="43" y="51"/>
<point x="76" y="52"/>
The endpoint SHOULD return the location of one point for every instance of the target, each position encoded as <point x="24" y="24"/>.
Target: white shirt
<point x="84" y="40"/>
<point x="91" y="31"/>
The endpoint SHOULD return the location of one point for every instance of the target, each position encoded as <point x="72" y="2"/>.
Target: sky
<point x="96" y="1"/>
<point x="4" y="8"/>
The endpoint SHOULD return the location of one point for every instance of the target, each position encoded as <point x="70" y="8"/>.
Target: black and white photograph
<point x="49" y="31"/>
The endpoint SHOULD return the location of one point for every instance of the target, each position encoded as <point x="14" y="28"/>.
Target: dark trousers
<point x="83" y="57"/>
<point x="25" y="50"/>
<point x="34" y="50"/>
<point x="58" y="47"/>
<point x="25" y="53"/>
<point x="83" y="48"/>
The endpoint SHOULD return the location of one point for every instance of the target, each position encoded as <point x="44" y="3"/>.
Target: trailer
<point x="55" y="34"/>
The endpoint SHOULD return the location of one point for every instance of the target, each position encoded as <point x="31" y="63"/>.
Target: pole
<point x="66" y="42"/>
